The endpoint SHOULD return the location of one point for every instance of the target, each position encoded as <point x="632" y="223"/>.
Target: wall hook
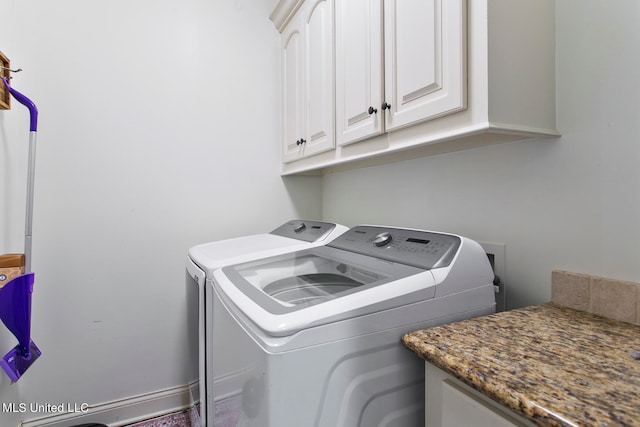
<point x="13" y="71"/>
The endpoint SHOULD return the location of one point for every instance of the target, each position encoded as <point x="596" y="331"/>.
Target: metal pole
<point x="28" y="232"/>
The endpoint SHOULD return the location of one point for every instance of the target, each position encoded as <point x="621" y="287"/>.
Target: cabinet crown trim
<point x="283" y="12"/>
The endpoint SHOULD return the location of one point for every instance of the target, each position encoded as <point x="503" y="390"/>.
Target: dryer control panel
<point x="423" y="249"/>
<point x="308" y="231"/>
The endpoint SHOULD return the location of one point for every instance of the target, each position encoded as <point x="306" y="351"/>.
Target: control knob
<point x="382" y="239"/>
<point x="299" y="228"/>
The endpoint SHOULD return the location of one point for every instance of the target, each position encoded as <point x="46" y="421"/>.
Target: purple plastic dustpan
<point x="15" y="313"/>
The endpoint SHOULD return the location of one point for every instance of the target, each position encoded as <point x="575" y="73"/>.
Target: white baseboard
<point x="120" y="412"/>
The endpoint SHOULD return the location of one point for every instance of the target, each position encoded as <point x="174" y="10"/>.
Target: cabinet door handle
<point x="386" y="106"/>
<point x="298" y="142"/>
<point x="302" y="141"/>
<point x="372" y="110"/>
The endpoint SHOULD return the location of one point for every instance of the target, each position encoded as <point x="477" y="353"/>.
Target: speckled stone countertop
<point x="553" y="365"/>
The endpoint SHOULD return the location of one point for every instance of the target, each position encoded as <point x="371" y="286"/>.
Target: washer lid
<point x="291" y="236"/>
<point x="210" y="256"/>
<point x="290" y="292"/>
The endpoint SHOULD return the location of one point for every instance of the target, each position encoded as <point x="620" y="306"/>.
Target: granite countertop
<point x="553" y="365"/>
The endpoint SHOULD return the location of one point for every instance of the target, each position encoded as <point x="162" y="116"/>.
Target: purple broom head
<point x="15" y="313"/>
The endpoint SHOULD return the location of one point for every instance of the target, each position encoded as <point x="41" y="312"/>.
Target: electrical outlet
<point x="496" y="252"/>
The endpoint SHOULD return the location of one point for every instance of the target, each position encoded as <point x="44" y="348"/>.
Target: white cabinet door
<point x="292" y="88"/>
<point x="319" y="68"/>
<point x="462" y="408"/>
<point x="425" y="59"/>
<point x="358" y="70"/>
<point x="308" y="81"/>
<point x="421" y="74"/>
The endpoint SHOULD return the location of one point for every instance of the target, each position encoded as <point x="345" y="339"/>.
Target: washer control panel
<point x="424" y="249"/>
<point x="382" y="239"/>
<point x="308" y="231"/>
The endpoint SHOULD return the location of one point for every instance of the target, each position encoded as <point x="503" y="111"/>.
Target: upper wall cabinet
<point x="308" y="81"/>
<point x="419" y="75"/>
<point x="414" y="78"/>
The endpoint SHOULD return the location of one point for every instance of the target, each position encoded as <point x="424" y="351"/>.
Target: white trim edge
<point x="120" y="412"/>
<point x="283" y="12"/>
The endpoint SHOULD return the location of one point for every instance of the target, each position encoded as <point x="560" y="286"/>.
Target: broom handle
<point x="29" y="210"/>
<point x="33" y="127"/>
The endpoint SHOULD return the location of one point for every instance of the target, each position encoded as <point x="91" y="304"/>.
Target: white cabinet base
<point x="450" y="403"/>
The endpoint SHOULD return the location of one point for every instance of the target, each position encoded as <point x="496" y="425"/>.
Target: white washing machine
<point x="203" y="260"/>
<point x="313" y="338"/>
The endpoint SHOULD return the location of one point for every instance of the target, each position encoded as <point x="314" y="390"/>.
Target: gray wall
<point x="159" y="129"/>
<point x="570" y="203"/>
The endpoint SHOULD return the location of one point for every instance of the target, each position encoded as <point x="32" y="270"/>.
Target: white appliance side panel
<point x="236" y="367"/>
<point x="195" y="282"/>
<point x="470" y="268"/>
<point x="379" y="386"/>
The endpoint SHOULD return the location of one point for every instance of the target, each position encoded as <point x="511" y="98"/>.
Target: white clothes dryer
<point x="313" y="337"/>
<point x="203" y="260"/>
